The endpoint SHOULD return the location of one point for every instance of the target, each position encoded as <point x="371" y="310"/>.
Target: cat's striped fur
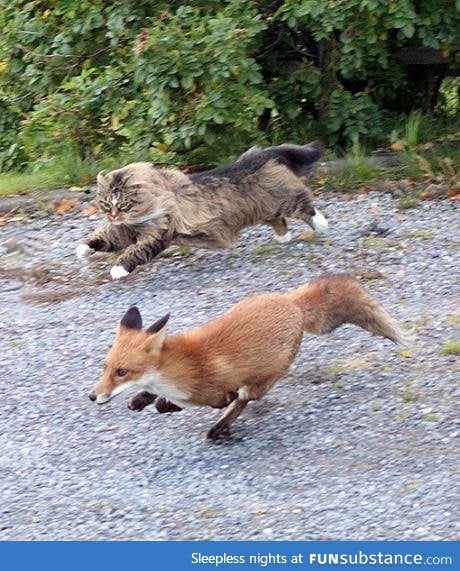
<point x="147" y="208"/>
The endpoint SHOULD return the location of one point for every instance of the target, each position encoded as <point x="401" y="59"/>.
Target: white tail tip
<point x="320" y="223"/>
<point x="406" y="337"/>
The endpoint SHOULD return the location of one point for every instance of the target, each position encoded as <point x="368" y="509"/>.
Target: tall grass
<point x="412" y="130"/>
<point x="358" y="169"/>
<point x="67" y="169"/>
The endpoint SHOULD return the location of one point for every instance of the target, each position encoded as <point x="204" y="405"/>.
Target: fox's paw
<point x="83" y="251"/>
<point x="118" y="272"/>
<point x="164" y="405"/>
<point x="218" y="431"/>
<point x="141" y="400"/>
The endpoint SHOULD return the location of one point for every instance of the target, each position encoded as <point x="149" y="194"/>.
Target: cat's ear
<point x="102" y="181"/>
<point x="132" y="319"/>
<point x="157" y="333"/>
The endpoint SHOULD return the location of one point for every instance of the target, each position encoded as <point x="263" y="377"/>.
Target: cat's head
<point x="133" y="194"/>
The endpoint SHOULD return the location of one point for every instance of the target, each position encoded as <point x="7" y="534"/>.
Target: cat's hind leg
<point x="280" y="228"/>
<point x="302" y="208"/>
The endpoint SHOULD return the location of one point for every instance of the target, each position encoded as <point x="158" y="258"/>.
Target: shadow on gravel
<point x="51" y="284"/>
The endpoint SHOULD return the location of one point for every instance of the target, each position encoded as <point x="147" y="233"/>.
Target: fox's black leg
<point x="164" y="405"/>
<point x="222" y="426"/>
<point x="141" y="400"/>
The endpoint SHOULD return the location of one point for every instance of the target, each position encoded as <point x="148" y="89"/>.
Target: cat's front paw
<point x="83" y="251"/>
<point x="118" y="272"/>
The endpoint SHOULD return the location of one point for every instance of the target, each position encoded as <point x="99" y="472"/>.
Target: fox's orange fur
<point x="238" y="356"/>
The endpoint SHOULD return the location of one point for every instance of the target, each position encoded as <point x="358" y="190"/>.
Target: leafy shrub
<point x="199" y="82"/>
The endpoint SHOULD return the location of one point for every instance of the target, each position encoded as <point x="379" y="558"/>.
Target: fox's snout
<point x="99" y="398"/>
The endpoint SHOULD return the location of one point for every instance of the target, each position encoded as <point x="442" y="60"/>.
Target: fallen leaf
<point x="405" y="353"/>
<point x="108" y="429"/>
<point x="397" y="147"/>
<point x="373" y="275"/>
<point x="90" y="211"/>
<point x="374" y="208"/>
<point x="64" y="205"/>
<point x="307" y="237"/>
<point x="426" y="195"/>
<point x="258" y="511"/>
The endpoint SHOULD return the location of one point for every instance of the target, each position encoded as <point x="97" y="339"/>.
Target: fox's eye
<point x="121" y="372"/>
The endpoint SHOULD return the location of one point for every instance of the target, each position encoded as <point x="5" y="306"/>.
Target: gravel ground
<point x="357" y="442"/>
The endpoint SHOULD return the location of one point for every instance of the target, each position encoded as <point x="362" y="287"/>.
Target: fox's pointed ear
<point x="157" y="333"/>
<point x="159" y="325"/>
<point x="132" y="319"/>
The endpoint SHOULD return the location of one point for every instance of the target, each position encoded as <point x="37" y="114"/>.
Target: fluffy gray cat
<point x="147" y="209"/>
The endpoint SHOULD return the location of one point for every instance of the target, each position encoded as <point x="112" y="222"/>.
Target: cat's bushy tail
<point x="298" y="158"/>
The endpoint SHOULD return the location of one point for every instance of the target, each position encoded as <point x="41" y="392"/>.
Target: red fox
<point x="237" y="357"/>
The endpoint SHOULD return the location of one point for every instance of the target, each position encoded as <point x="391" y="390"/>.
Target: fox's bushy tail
<point x="331" y="301"/>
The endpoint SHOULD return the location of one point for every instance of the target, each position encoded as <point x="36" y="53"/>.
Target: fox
<point x="238" y="356"/>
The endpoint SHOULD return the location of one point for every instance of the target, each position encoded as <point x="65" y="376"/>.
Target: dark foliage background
<point x="199" y="82"/>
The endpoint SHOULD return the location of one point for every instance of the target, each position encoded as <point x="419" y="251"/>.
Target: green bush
<point x="199" y="82"/>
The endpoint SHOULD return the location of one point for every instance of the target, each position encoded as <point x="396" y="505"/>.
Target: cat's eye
<point x="121" y="372"/>
<point x="125" y="205"/>
<point x="104" y="205"/>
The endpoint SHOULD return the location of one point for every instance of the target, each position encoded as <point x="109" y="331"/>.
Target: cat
<point x="147" y="209"/>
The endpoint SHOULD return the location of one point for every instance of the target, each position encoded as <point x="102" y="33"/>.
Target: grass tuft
<point x="418" y="235"/>
<point x="358" y="169"/>
<point x="376" y="242"/>
<point x="451" y="348"/>
<point x="410" y="396"/>
<point x="407" y="202"/>
<point x="64" y="171"/>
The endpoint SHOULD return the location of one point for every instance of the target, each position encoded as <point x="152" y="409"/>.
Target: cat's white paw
<point x="118" y="272"/>
<point x="83" y="251"/>
<point x="320" y="224"/>
<point x="283" y="238"/>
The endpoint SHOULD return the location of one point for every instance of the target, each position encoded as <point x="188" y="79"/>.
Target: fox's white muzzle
<point x="99" y="399"/>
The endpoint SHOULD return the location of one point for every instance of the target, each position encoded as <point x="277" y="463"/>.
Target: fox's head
<point x="134" y="354"/>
